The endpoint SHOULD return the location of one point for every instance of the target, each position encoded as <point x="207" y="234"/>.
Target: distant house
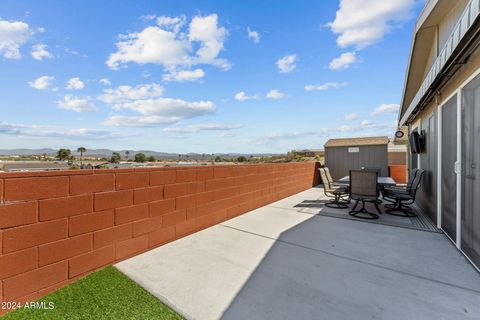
<point x="309" y="152"/>
<point x="440" y="107"/>
<point x="34" y="166"/>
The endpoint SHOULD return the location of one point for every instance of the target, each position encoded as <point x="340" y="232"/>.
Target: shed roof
<point x="353" y="142"/>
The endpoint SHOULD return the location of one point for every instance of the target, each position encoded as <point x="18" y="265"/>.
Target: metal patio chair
<point x="337" y="192"/>
<point x="406" y="188"/>
<point x="379" y="172"/>
<point x="402" y="199"/>
<point x="364" y="188"/>
<point x="330" y="179"/>
<point x="376" y="169"/>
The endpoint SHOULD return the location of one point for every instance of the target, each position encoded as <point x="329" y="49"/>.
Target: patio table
<point x="382" y="181"/>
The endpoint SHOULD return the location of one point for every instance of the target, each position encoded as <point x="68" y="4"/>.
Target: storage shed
<point x="342" y="155"/>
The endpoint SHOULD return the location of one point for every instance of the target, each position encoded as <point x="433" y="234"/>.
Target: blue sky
<point x="208" y="77"/>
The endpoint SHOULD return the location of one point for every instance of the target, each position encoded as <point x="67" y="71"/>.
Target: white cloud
<point x="75" y="84"/>
<point x="148" y="17"/>
<point x="386" y="108"/>
<point x="42" y="83"/>
<point x="172" y="23"/>
<point x="152" y="110"/>
<point x="13" y="34"/>
<point x="366" y="123"/>
<point x="275" y="94"/>
<point x="242" y="96"/>
<point x="228" y="135"/>
<point x="254" y="35"/>
<point x="105" y="81"/>
<point x="151" y="45"/>
<point x="203" y="127"/>
<point x="351" y="117"/>
<point x="171" y="45"/>
<point x="123" y="94"/>
<point x="287" y="64"/>
<point x="40" y="52"/>
<point x="46" y="131"/>
<point x="163" y="111"/>
<point x="343" y="61"/>
<point x="325" y="86"/>
<point x="361" y="23"/>
<point x="139" y="121"/>
<point x="160" y="111"/>
<point x="184" y="75"/>
<point x="77" y="104"/>
<point x="170" y="108"/>
<point x="211" y="37"/>
<point x="74" y="52"/>
<point x="365" y="127"/>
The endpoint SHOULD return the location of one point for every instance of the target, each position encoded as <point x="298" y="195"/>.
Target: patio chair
<point x="379" y="172"/>
<point x="330" y="179"/>
<point x="337" y="192"/>
<point x="364" y="188"/>
<point x="405" y="188"/>
<point x="376" y="169"/>
<point x="402" y="199"/>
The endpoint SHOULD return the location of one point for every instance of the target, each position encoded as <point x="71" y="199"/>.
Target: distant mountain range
<point x="108" y="153"/>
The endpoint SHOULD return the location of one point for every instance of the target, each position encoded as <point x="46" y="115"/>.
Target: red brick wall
<point x="58" y="226"/>
<point x="398" y="173"/>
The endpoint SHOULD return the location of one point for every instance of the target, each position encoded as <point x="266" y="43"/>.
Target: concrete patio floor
<point x="283" y="262"/>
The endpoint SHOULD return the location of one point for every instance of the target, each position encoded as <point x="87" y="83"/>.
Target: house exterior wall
<point x="436" y="23"/>
<point x="56" y="227"/>
<point x="339" y="160"/>
<point x="429" y="195"/>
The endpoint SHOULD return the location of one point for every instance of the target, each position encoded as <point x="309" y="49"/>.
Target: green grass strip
<point x="105" y="294"/>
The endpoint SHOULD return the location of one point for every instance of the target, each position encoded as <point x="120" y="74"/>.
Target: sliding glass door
<point x="449" y="157"/>
<point x="470" y="225"/>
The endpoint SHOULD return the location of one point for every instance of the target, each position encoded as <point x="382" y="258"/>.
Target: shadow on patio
<point x="293" y="259"/>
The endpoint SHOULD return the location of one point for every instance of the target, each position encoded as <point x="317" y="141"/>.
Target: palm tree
<point x="81" y="150"/>
<point x="127" y="153"/>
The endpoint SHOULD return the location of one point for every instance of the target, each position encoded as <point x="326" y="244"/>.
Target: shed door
<point x="449" y="157"/>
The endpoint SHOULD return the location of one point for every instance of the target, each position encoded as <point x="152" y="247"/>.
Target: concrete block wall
<point x="398" y="173"/>
<point x="58" y="226"/>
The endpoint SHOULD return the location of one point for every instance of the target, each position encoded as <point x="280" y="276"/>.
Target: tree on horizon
<point x="140" y="157"/>
<point x="63" y="154"/>
<point x="127" y="153"/>
<point x="115" y="157"/>
<point x="81" y="150"/>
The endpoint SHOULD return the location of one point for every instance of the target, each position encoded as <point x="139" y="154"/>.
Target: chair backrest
<point x="363" y="184"/>
<point x="416" y="182"/>
<point x="326" y="183"/>
<point x="410" y="182"/>
<point x="329" y="176"/>
<point x="376" y="169"/>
